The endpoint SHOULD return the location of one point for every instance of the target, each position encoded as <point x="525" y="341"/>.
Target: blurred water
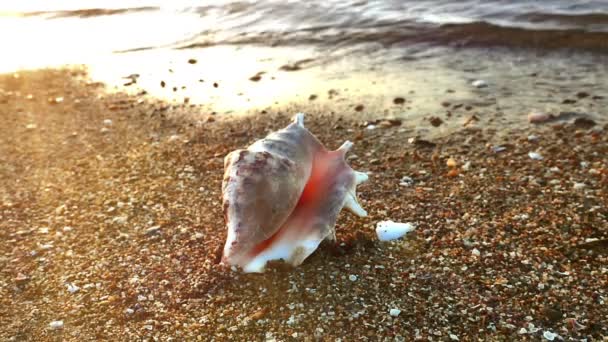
<point x="426" y="50"/>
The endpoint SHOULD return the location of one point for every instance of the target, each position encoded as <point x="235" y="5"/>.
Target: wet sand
<point x="110" y="221"/>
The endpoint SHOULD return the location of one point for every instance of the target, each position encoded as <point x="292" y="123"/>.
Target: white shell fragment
<point x="394" y="312"/>
<point x="389" y="230"/>
<point x="535" y="155"/>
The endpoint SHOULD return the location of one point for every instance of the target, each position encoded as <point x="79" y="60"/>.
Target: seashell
<point x="282" y="196"/>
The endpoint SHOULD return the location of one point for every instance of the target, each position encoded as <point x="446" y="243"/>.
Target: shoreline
<point x="114" y="227"/>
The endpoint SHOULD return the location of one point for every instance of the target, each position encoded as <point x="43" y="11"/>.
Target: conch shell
<point x="282" y="196"/>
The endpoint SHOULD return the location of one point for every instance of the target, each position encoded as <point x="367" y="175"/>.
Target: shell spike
<point x="354" y="206"/>
<point x="299" y="119"/>
<point x="360" y="177"/>
<point x="345" y="147"/>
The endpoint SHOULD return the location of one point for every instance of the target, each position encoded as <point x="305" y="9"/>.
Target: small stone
<point x="371" y="127"/>
<point x="129" y="311"/>
<point x="454" y="337"/>
<point x="451" y="162"/>
<point x="549" y="335"/>
<point x="479" y="84"/>
<point x="153" y="230"/>
<point x="579" y="186"/>
<point x="498" y="149"/>
<point x="31" y="126"/>
<point x="394" y="312"/>
<point x="522" y="331"/>
<point x="107" y="122"/>
<point x="435" y="121"/>
<point x="104" y="130"/>
<point x="535" y="156"/>
<point x="398" y="100"/>
<point x="192" y="61"/>
<point x="539" y="117"/>
<point x="352" y="277"/>
<point x="72" y="288"/>
<point x="406" y="181"/>
<point x="56" y="325"/>
<point x="476" y="252"/>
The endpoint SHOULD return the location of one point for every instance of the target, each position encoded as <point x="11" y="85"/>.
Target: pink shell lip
<point x="282" y="196"/>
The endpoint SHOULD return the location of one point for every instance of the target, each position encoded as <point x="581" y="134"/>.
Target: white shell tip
<point x="299" y="119"/>
<point x="354" y="206"/>
<point x="389" y="230"/>
<point x="360" y="177"/>
<point x="345" y="147"/>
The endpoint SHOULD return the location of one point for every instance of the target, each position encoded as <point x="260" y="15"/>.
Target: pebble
<point x="498" y="149"/>
<point x="535" y="156"/>
<point x="454" y="337"/>
<point x="31" y="126"/>
<point x="538" y="117"/>
<point x="451" y="162"/>
<point x="352" y="277"/>
<point x="104" y="130"/>
<point x="56" y="325"/>
<point x="549" y="335"/>
<point x="476" y="252"/>
<point x="370" y="127"/>
<point x="579" y="186"/>
<point x="153" y="230"/>
<point x="107" y="122"/>
<point x="394" y="312"/>
<point x="479" y="84"/>
<point x="533" y="137"/>
<point x="523" y="331"/>
<point x="406" y="181"/>
<point x="72" y="288"/>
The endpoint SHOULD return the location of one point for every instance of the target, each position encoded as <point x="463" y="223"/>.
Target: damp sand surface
<point x="110" y="221"/>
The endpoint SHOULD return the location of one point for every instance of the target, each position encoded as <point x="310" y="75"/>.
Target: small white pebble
<point x="533" y="137"/>
<point x="476" y="252"/>
<point x="72" y="288"/>
<point x="479" y="84"/>
<point x="549" y="335"/>
<point x="466" y="166"/>
<point x="370" y="127"/>
<point x="67" y="229"/>
<point x="584" y="164"/>
<point x="107" y="122"/>
<point x="352" y="277"/>
<point x="522" y="331"/>
<point x="579" y="186"/>
<point x="31" y="126"/>
<point x="406" y="181"/>
<point x="55" y="325"/>
<point x="129" y="311"/>
<point x="394" y="312"/>
<point x="535" y="156"/>
<point x="104" y="130"/>
<point x="454" y="337"/>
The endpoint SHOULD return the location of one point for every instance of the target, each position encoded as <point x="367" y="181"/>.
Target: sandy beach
<point x="110" y="222"/>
